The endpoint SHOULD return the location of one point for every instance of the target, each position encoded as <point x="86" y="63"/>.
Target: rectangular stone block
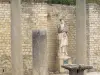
<point x="40" y="54"/>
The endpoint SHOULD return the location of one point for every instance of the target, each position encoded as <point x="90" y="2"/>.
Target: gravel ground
<point x="93" y="73"/>
<point x="90" y="73"/>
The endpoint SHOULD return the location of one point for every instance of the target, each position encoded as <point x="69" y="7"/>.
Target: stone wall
<point x="55" y="13"/>
<point x="47" y="17"/>
<point x="37" y="17"/>
<point x="5" y="43"/>
<point x="43" y="16"/>
<point x="34" y="16"/>
<point x="94" y="35"/>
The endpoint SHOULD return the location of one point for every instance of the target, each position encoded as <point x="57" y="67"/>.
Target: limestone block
<point x="40" y="53"/>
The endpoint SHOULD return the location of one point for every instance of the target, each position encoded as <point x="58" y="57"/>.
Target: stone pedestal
<point x="75" y="69"/>
<point x="63" y="61"/>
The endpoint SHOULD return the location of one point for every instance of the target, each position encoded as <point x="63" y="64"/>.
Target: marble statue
<point x="62" y="58"/>
<point x="63" y="40"/>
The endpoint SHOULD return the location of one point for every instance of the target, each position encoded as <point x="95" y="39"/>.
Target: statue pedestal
<point x="63" y="61"/>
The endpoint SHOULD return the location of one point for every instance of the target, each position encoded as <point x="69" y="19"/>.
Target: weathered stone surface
<point x="49" y="19"/>
<point x="75" y="69"/>
<point x="94" y="36"/>
<point x="40" y="54"/>
<point x="16" y="45"/>
<point x="81" y="39"/>
<point x="56" y="12"/>
<point x="72" y="69"/>
<point x="71" y="66"/>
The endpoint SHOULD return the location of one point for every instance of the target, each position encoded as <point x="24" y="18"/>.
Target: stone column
<point x="40" y="53"/>
<point x="81" y="32"/>
<point x="16" y="50"/>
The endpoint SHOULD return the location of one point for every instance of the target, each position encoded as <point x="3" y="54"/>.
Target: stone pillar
<point x="16" y="50"/>
<point x="40" y="53"/>
<point x="81" y="44"/>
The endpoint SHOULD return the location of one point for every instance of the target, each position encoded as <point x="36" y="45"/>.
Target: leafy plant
<point x="67" y="2"/>
<point x="70" y="2"/>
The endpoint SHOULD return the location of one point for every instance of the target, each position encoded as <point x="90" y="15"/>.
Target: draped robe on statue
<point x="63" y="40"/>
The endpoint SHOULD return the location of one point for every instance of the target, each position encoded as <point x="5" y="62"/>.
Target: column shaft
<point x="81" y="32"/>
<point x="16" y="50"/>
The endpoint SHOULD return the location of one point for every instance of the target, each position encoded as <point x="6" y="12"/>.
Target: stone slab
<point x="40" y="54"/>
<point x="75" y="69"/>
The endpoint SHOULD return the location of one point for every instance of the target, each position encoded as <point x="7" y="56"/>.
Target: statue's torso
<point x="63" y="39"/>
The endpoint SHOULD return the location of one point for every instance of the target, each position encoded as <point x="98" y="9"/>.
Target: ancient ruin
<point x="47" y="37"/>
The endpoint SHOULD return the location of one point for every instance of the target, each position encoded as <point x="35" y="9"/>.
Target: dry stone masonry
<point x="94" y="35"/>
<point x="55" y="13"/>
<point x="5" y="42"/>
<point x="33" y="17"/>
<point x="43" y="16"/>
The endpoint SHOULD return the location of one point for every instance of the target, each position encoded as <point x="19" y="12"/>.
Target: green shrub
<point x="93" y="1"/>
<point x="70" y="2"/>
<point x="67" y="2"/>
